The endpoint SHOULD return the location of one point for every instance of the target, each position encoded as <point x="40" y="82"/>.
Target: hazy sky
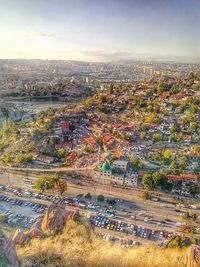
<point x="99" y="30"/>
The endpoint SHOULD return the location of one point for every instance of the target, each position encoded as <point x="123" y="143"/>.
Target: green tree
<point x="111" y="201"/>
<point x="24" y="158"/>
<point x="44" y="182"/>
<point x="167" y="154"/>
<point x="142" y="135"/>
<point x="7" y="158"/>
<point x="194" y="189"/>
<point x="61" y="186"/>
<point x="7" y="130"/>
<point x="88" y="102"/>
<point x="88" y="196"/>
<point x="167" y="157"/>
<point x="157" y="137"/>
<point x="99" y="140"/>
<point x="192" y="229"/>
<point x="136" y="164"/>
<point x="149" y="92"/>
<point x="175" y="137"/>
<point x="160" y="86"/>
<point x="89" y="149"/>
<point x="52" y="140"/>
<point x="186" y="216"/>
<point x="148" y="182"/>
<point x="100" y="198"/>
<point x="61" y="153"/>
<point x="111" y="89"/>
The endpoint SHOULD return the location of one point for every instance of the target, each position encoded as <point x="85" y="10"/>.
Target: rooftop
<point x="106" y="167"/>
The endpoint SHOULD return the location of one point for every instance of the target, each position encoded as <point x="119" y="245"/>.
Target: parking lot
<point x="19" y="212"/>
<point x="125" y="221"/>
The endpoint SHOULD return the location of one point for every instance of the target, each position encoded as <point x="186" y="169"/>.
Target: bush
<point x="111" y="201"/>
<point x="24" y="158"/>
<point x="88" y="196"/>
<point x="2" y="218"/>
<point x="100" y="198"/>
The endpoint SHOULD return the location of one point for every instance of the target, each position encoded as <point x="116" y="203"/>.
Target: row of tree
<point x="53" y="182"/>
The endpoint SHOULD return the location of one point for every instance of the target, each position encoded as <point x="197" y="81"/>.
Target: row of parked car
<point x="143" y="232"/>
<point x="17" y="219"/>
<point x="165" y="235"/>
<point x="28" y="194"/>
<point x="105" y="222"/>
<point x="36" y="207"/>
<point x="12" y="201"/>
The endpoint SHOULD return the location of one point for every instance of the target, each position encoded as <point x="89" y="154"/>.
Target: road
<point x="159" y="210"/>
<point x="131" y="206"/>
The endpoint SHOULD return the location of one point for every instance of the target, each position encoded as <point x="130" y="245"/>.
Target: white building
<point x="120" y="164"/>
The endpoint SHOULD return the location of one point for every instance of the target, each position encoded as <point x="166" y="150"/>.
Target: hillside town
<point x="125" y="132"/>
<point x="116" y="153"/>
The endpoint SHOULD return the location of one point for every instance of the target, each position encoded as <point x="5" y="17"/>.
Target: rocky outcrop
<point x="20" y="237"/>
<point x="53" y="221"/>
<point x="55" y="218"/>
<point x="36" y="230"/>
<point x="8" y="252"/>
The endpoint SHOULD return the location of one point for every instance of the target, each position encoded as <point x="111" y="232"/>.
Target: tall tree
<point x="111" y="88"/>
<point x="61" y="186"/>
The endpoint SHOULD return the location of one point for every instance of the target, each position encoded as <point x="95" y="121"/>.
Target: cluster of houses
<point x="70" y="130"/>
<point x="72" y="133"/>
<point x="181" y="184"/>
<point x="119" y="174"/>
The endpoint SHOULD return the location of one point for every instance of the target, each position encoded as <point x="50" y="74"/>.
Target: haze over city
<point x="105" y="30"/>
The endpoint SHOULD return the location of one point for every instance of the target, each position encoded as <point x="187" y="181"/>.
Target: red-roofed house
<point x="181" y="183"/>
<point x="45" y="159"/>
<point x="187" y="138"/>
<point x="117" y="126"/>
<point x="88" y="139"/>
<point x="72" y="156"/>
<point x="65" y="145"/>
<point x="108" y="138"/>
<point x="35" y="154"/>
<point x="184" y="177"/>
<point x="64" y="125"/>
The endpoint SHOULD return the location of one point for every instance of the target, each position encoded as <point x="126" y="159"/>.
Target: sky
<point x="99" y="30"/>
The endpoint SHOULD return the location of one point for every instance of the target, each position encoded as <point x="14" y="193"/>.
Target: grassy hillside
<point x="7" y="230"/>
<point x="77" y="246"/>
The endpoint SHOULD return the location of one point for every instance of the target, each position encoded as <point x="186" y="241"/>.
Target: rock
<point x="36" y="230"/>
<point x="56" y="216"/>
<point x="20" y="237"/>
<point x="8" y="252"/>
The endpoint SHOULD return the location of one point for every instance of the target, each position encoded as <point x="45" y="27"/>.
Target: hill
<point x="78" y="245"/>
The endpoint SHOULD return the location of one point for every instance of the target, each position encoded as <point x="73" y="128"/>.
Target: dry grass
<point x="7" y="230"/>
<point x="78" y="246"/>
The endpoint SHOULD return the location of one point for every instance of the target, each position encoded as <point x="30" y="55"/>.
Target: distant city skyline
<point x="100" y="30"/>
